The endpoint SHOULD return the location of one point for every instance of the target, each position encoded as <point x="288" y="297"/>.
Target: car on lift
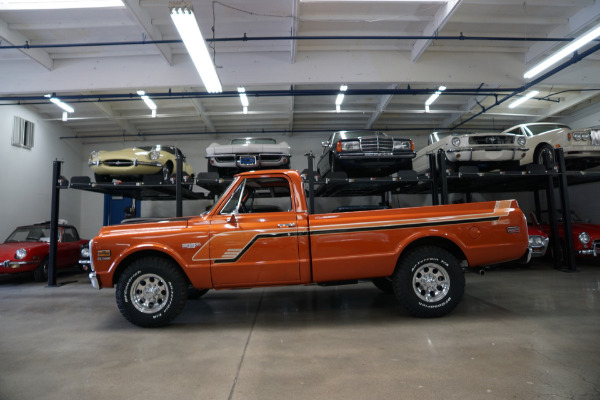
<point x="365" y="154"/>
<point x="132" y="164"/>
<point x="247" y="154"/>
<point x="27" y="249"/>
<point x="586" y="236"/>
<point x="581" y="147"/>
<point x="486" y="151"/>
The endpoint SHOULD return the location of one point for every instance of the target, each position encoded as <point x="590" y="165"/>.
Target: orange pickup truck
<point x="260" y="233"/>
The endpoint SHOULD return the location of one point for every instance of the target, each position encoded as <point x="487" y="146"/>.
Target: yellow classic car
<point x="132" y="164"/>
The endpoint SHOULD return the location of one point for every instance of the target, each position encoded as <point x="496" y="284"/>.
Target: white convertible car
<point x="581" y="147"/>
<point x="486" y="151"/>
<point x="247" y="154"/>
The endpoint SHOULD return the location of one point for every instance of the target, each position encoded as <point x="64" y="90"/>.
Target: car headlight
<point x="153" y="155"/>
<point x="521" y="141"/>
<point x="85" y="252"/>
<point x="455" y="141"/>
<point x="584" y="238"/>
<point x="580" y="135"/>
<point x="20" y="254"/>
<point x="351" y="145"/>
<point x="536" y="240"/>
<point x="402" y="145"/>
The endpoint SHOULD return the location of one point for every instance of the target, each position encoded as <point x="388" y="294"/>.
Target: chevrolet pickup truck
<point x="260" y="233"/>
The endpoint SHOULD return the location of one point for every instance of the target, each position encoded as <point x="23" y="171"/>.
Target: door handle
<point x="291" y="225"/>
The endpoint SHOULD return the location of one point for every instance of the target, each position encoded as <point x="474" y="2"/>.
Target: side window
<point x="234" y="200"/>
<point x="516" y="131"/>
<point x="70" y="235"/>
<point x="266" y="195"/>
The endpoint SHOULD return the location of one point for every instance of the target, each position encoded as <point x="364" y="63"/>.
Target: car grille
<point x="596" y="247"/>
<point x="491" y="139"/>
<point x="118" y="163"/>
<point x="595" y="136"/>
<point x="376" y="143"/>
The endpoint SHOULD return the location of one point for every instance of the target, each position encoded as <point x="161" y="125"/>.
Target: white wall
<point x="26" y="177"/>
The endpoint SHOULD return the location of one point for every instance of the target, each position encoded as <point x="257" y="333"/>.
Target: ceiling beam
<point x="439" y="20"/>
<point x="114" y="117"/>
<point x="145" y="21"/>
<point x="381" y="107"/>
<point x="197" y="103"/>
<point x="17" y="39"/>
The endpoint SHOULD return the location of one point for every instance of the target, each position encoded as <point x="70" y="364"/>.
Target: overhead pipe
<point x="245" y="38"/>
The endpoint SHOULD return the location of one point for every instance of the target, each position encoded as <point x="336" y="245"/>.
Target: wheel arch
<point x="442" y="242"/>
<point x="130" y="258"/>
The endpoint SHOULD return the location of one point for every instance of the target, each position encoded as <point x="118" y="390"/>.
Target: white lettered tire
<point x="429" y="282"/>
<point x="151" y="292"/>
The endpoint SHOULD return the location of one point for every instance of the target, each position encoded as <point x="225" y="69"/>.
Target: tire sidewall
<point x="405" y="275"/>
<point x="173" y="280"/>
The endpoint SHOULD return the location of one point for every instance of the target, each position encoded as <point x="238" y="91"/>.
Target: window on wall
<point x="22" y="133"/>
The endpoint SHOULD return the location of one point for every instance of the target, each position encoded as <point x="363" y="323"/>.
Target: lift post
<point x="52" y="257"/>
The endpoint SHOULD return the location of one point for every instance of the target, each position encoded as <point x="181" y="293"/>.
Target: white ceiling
<point x="292" y="84"/>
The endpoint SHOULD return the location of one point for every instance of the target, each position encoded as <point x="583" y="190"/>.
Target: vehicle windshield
<point x="574" y="216"/>
<point x="253" y="141"/>
<point x="30" y="234"/>
<point x="543" y="128"/>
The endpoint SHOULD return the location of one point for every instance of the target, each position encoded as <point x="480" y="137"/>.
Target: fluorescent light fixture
<point x="245" y="109"/>
<point x="243" y="97"/>
<point x="149" y="102"/>
<point x="564" y="52"/>
<point x="523" y="99"/>
<point x="185" y="22"/>
<point x="434" y="97"/>
<point x="340" y="97"/>
<point x="57" y="4"/>
<point x="59" y="103"/>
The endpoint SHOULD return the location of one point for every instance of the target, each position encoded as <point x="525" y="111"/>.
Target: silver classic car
<point x="365" y="154"/>
<point x="486" y="151"/>
<point x="246" y="154"/>
<point x="581" y="147"/>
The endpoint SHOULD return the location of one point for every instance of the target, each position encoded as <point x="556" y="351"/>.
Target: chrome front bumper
<point x="94" y="280"/>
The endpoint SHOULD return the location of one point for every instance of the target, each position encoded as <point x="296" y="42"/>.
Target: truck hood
<point x="145" y="224"/>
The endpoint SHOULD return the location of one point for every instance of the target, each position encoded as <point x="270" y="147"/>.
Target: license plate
<point x="248" y="160"/>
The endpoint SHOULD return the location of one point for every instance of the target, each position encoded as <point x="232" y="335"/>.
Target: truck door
<point x="254" y="237"/>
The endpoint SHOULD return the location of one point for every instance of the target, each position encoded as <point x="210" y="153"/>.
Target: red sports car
<point x="28" y="247"/>
<point x="586" y="236"/>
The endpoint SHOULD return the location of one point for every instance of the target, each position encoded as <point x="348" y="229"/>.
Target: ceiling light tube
<point x="149" y="102"/>
<point x="564" y="52"/>
<point x="340" y="97"/>
<point x="185" y="21"/>
<point x="243" y="97"/>
<point x="523" y="99"/>
<point x="62" y="105"/>
<point x="434" y="96"/>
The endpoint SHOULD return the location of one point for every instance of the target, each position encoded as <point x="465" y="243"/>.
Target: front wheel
<point x="151" y="292"/>
<point x="429" y="282"/>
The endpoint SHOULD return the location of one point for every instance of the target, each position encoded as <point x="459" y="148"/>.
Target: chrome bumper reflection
<point x="94" y="280"/>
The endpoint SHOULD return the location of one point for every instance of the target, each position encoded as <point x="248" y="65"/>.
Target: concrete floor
<point x="518" y="334"/>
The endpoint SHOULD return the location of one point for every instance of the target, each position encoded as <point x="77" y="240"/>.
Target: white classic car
<point x="486" y="151"/>
<point x="581" y="147"/>
<point x="245" y="154"/>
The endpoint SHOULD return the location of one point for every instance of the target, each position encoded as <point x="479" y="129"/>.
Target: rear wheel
<point x="429" y="282"/>
<point x="166" y="172"/>
<point x="151" y="292"/>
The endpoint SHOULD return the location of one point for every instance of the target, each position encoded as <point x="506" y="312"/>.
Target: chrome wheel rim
<point x="543" y="156"/>
<point x="431" y="282"/>
<point x="149" y="293"/>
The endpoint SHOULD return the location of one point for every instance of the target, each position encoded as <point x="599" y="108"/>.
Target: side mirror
<point x="232" y="219"/>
